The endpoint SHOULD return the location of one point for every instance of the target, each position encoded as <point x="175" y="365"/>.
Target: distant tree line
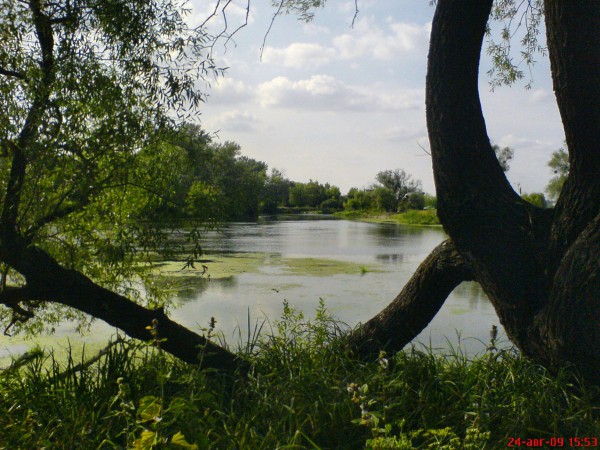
<point x="202" y="179"/>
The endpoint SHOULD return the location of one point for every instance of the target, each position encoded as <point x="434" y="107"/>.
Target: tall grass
<point x="305" y="392"/>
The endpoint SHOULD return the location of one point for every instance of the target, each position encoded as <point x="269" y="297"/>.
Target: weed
<point x="305" y="391"/>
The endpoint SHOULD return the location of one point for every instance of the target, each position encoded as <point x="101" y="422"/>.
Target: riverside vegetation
<point x="305" y="391"/>
<point x="83" y="162"/>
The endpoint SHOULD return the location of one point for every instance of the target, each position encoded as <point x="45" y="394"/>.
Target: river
<point x="357" y="268"/>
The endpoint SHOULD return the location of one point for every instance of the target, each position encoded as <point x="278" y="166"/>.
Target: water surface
<point x="375" y="261"/>
<point x="357" y="268"/>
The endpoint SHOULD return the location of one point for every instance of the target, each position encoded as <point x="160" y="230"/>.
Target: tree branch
<point x="30" y="130"/>
<point x="50" y="282"/>
<point x="12" y="73"/>
<point x="415" y="306"/>
<point x="11" y="295"/>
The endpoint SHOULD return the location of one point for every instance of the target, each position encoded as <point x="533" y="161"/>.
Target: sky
<point x="338" y="103"/>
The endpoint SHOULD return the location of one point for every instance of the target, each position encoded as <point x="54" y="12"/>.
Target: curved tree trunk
<point x="539" y="268"/>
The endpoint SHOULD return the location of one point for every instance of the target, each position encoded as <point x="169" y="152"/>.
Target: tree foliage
<point x="403" y="186"/>
<point x="518" y="21"/>
<point x="399" y="182"/>
<point x="314" y="194"/>
<point x="90" y="92"/>
<point x="504" y="155"/>
<point x="276" y="192"/>
<point x="536" y="198"/>
<point x="559" y="163"/>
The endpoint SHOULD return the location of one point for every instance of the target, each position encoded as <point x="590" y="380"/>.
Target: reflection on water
<point x="375" y="261"/>
<point x="189" y="288"/>
<point x="390" y="254"/>
<point x="396" y="258"/>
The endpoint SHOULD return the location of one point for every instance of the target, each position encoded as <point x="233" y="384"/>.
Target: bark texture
<point x="539" y="268"/>
<point x="571" y="321"/>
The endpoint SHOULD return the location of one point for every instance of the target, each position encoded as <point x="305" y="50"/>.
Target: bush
<point x="536" y="199"/>
<point x="430" y="201"/>
<point x="332" y="204"/>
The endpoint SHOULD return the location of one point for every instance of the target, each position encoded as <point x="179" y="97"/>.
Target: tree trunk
<point x="570" y="323"/>
<point x="539" y="268"/>
<point x="415" y="306"/>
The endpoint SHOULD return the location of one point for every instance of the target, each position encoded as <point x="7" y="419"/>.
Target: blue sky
<point x="338" y="104"/>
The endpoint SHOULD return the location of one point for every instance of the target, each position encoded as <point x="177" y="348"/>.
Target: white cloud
<point x="227" y="91"/>
<point x="539" y="95"/>
<point x="299" y="55"/>
<point x="310" y="29"/>
<point x="321" y="92"/>
<point x="326" y="93"/>
<point x="403" y="132"/>
<point x="235" y="121"/>
<point x="367" y="39"/>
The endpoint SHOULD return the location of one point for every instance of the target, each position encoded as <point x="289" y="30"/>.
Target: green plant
<point x="305" y="390"/>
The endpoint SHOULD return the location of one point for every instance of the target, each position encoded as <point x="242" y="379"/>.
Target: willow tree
<point x="540" y="268"/>
<point x="85" y="86"/>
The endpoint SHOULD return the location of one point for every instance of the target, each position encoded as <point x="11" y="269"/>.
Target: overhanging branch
<point x="48" y="281"/>
<point x="415" y="306"/>
<point x="13" y="74"/>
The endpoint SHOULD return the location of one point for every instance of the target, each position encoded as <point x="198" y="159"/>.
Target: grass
<point x="411" y="217"/>
<point x="305" y="392"/>
<point x="422" y="217"/>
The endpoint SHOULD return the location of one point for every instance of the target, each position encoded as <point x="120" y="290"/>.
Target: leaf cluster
<point x="518" y="19"/>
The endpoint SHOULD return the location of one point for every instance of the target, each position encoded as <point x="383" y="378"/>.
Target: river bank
<point x="426" y="217"/>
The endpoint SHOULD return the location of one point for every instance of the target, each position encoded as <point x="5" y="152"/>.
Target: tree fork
<point x="539" y="268"/>
<point x="500" y="234"/>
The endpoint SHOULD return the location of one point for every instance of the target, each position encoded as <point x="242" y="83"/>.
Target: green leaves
<point x="560" y="165"/>
<point x="89" y="93"/>
<point x="519" y="20"/>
